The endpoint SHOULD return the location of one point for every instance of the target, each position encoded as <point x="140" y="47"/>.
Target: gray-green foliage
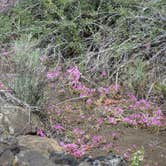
<point x="29" y="81"/>
<point x="161" y="88"/>
<point x="137" y="76"/>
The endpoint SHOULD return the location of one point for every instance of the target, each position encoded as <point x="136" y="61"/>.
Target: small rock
<point x="63" y="159"/>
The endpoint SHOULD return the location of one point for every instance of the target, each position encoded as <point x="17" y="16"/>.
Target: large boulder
<point x="16" y="117"/>
<point x="27" y="151"/>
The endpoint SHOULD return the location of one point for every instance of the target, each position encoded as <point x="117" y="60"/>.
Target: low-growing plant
<point x="161" y="88"/>
<point x="138" y="157"/>
<point x="138" y="77"/>
<point x="29" y="82"/>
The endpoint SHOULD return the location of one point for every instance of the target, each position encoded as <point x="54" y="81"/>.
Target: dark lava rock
<point x="109" y="160"/>
<point x="8" y="150"/>
<point x="63" y="159"/>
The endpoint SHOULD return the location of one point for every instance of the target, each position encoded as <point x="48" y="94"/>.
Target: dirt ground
<point x="120" y="139"/>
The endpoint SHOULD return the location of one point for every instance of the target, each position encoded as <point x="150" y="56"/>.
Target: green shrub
<point x="94" y="34"/>
<point x="29" y="83"/>
<point x="137" y="77"/>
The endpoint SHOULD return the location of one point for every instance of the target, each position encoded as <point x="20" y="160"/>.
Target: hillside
<point x="93" y="72"/>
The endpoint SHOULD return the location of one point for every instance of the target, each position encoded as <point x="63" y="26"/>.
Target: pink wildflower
<point x="73" y="149"/>
<point x="79" y="153"/>
<point x="104" y="73"/>
<point x="97" y="140"/>
<point x="59" y="127"/>
<point x="89" y="101"/>
<point x="41" y="133"/>
<point x="74" y="74"/>
<point x="100" y="121"/>
<point x="158" y="113"/>
<point x="103" y="90"/>
<point x="50" y="75"/>
<point x="56" y="73"/>
<point x="108" y="146"/>
<point x="112" y="120"/>
<point x="1" y="85"/>
<point x="5" y="53"/>
<point x="70" y="147"/>
<point x="127" y="155"/>
<point x="78" y="132"/>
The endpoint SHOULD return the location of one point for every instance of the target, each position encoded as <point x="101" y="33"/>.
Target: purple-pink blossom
<point x="59" y="127"/>
<point x="97" y="140"/>
<point x="104" y="73"/>
<point x="54" y="74"/>
<point x="112" y="120"/>
<point x="78" y="132"/>
<point x="89" y="101"/>
<point x="41" y="133"/>
<point x="1" y="85"/>
<point x="74" y="74"/>
<point x="74" y="149"/>
<point x="50" y="75"/>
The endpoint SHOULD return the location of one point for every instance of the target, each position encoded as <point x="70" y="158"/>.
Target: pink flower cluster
<point x="78" y="132"/>
<point x="41" y="133"/>
<point x="79" y="135"/>
<point x="54" y="74"/>
<point x="82" y="145"/>
<point x="104" y="73"/>
<point x="1" y="85"/>
<point x="149" y="114"/>
<point x="107" y="90"/>
<point x="97" y="140"/>
<point x="141" y="105"/>
<point x="74" y="75"/>
<point x="83" y="90"/>
<point x="59" y="127"/>
<point x="145" y="119"/>
<point x="112" y="120"/>
<point x="74" y="149"/>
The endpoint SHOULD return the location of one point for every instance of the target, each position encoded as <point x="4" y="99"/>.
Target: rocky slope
<point x="20" y="145"/>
